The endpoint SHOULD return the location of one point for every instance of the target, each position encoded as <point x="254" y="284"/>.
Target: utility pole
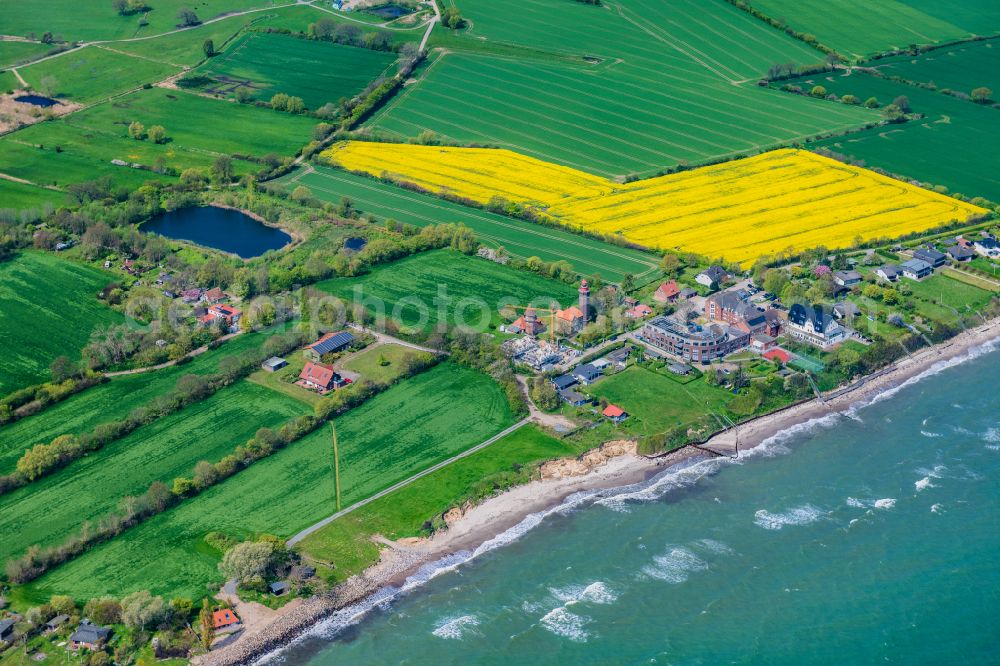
<point x="336" y="463"/>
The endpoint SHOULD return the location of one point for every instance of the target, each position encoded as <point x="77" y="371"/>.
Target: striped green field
<point x="20" y="196"/>
<point x="48" y="308"/>
<point x="653" y="85"/>
<point x="54" y="507"/>
<point x="447" y="410"/>
<point x="521" y="239"/>
<point x="13" y="52"/>
<point x="961" y="67"/>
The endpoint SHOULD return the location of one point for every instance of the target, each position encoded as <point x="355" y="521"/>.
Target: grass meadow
<point x="658" y="89"/>
<point x="462" y="278"/>
<point x="109" y="401"/>
<point x="859" y="27"/>
<point x="20" y="196"/>
<point x="521" y="239"/>
<point x="448" y="409"/>
<point x="960" y="67"/>
<point x="48" y="308"/>
<point x="347" y="543"/>
<point x="318" y="72"/>
<point x="13" y="52"/>
<point x="54" y="507"/>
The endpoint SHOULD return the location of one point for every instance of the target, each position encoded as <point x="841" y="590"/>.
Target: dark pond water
<point x="355" y="243"/>
<point x="389" y="11"/>
<point x="219" y="228"/>
<point x="37" y="100"/>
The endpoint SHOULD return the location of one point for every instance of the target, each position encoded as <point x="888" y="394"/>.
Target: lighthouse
<point x="585" y="300"/>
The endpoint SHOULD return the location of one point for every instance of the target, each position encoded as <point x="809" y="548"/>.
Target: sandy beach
<point x="615" y="466"/>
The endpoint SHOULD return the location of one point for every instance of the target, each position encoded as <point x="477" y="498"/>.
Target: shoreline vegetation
<point x="614" y="465"/>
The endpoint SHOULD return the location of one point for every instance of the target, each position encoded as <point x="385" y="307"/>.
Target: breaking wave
<point x="676" y="566"/>
<point x="595" y="593"/>
<point x="456" y="627"/>
<point x="800" y="515"/>
<point x="568" y="625"/>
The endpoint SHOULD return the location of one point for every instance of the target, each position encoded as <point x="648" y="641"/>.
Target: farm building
<point x="89" y="635"/>
<point x="274" y="363"/>
<point x="225" y="619"/>
<point x="319" y="377"/>
<point x="328" y="344"/>
<point x="615" y="414"/>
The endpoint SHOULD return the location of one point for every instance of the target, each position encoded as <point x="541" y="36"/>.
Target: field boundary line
<point x="405" y="482"/>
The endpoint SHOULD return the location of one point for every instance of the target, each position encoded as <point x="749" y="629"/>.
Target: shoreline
<point x="478" y="526"/>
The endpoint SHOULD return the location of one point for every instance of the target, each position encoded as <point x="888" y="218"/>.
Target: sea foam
<point x="455" y="628"/>
<point x="800" y="515"/>
<point x="675" y="566"/>
<point x="568" y="625"/>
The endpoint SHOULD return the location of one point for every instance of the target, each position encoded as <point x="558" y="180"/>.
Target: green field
<point x="112" y="400"/>
<point x="660" y="89"/>
<point x="198" y="129"/>
<point x="521" y="239"/>
<point x="51" y="509"/>
<point x="21" y="196"/>
<point x="860" y="27"/>
<point x="952" y="146"/>
<point x="961" y="67"/>
<point x="319" y="72"/>
<point x="346" y="542"/>
<point x="656" y="403"/>
<point x="368" y="363"/>
<point x="48" y="308"/>
<point x="447" y="409"/>
<point x="13" y="52"/>
<point x="470" y="286"/>
<point x="94" y="73"/>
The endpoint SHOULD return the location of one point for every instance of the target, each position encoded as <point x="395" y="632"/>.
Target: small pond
<point x="355" y="243"/>
<point x="36" y="100"/>
<point x="389" y="11"/>
<point x="219" y="228"/>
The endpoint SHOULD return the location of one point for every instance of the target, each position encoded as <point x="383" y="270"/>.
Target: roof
<point x="279" y="586"/>
<point x="988" y="243"/>
<point x="587" y="370"/>
<point x="847" y="275"/>
<point x="563" y="381"/>
<point x="57" y="620"/>
<point x="331" y="342"/>
<point x="668" y="289"/>
<point x="959" y="252"/>
<point x="778" y="355"/>
<point x="800" y="315"/>
<point x="916" y="266"/>
<point x="601" y="363"/>
<point x="570" y="314"/>
<point x="5" y="626"/>
<point x="889" y="269"/>
<point x="274" y="362"/>
<point x="317" y="373"/>
<point x="715" y="273"/>
<point x="223" y="310"/>
<point x="928" y="254"/>
<point x="687" y="292"/>
<point x="640" y="310"/>
<point x="224" y="618"/>
<point x="847" y="307"/>
<point x="215" y="294"/>
<point x="619" y="354"/>
<point x="573" y="396"/>
<point x="613" y="411"/>
<point x="88" y="632"/>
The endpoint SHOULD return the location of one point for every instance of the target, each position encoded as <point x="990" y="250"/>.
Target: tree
<point x="628" y="282"/>
<point x="186" y="17"/>
<point x="818" y="91"/>
<point x="105" y="610"/>
<point x="247" y="561"/>
<point x="903" y="102"/>
<point x="301" y="193"/>
<point x="322" y="29"/>
<point x="208" y="46"/>
<point x="137" y="130"/>
<point x="157" y="134"/>
<point x="871" y="103"/>
<point x="981" y="95"/>
<point x="775" y="281"/>
<point x="452" y="18"/>
<point x="893" y="113"/>
<point x="849" y="99"/>
<point x="670" y="264"/>
<point x="295" y="105"/>
<point x="222" y="169"/>
<point x="120" y="6"/>
<point x="207" y="624"/>
<point x="141" y="609"/>
<point x="49" y="86"/>
<point x="62" y="368"/>
<point x="279" y="101"/>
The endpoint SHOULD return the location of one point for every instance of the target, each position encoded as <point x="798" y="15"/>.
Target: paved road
<point x="354" y="507"/>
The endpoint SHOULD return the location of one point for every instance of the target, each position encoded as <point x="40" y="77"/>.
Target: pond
<point x="389" y="11"/>
<point x="219" y="228"/>
<point x="37" y="100"/>
<point x="355" y="243"/>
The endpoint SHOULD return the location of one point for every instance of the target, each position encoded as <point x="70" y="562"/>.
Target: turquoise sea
<point x="859" y="539"/>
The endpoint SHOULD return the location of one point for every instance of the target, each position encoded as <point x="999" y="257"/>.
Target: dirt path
<point x="557" y="422"/>
<point x="150" y="368"/>
<point x="17" y="75"/>
<point x="384" y="339"/>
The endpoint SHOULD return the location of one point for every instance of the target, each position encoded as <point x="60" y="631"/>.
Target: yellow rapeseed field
<point x="778" y="201"/>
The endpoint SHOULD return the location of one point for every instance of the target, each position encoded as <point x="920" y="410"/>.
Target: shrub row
<point x="33" y="399"/>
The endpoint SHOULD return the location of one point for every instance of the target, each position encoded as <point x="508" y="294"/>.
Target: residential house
<point x="775" y="321"/>
<point x="327" y="344"/>
<point x="615" y="414"/>
<point x="56" y="622"/>
<point x="221" y="312"/>
<point x="570" y="321"/>
<point x="847" y="278"/>
<point x="573" y="398"/>
<point x="273" y="364"/>
<point x="89" y="635"/>
<point x="279" y="588"/>
<point x="845" y="309"/>
<point x="587" y="374"/>
<point x="639" y="311"/>
<point x="933" y="257"/>
<point x="679" y="369"/>
<point x="667" y="292"/>
<point x="959" y="253"/>
<point x="814" y="326"/>
<point x="693" y="342"/>
<point x="6" y="630"/>
<point x="986" y="246"/>
<point x="889" y="272"/>
<point x="225" y="619"/>
<point x="319" y="377"/>
<point x="601" y="364"/>
<point x="727" y="306"/>
<point x="916" y="269"/>
<point x="214" y="295"/>
<point x="191" y="295"/>
<point x="619" y="357"/>
<point x="563" y="382"/>
<point x="712" y="276"/>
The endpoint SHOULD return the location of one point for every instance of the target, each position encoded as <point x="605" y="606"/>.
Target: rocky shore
<point x="612" y="465"/>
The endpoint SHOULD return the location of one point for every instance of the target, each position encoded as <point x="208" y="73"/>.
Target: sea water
<point x="865" y="538"/>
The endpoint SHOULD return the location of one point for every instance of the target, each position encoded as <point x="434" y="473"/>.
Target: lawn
<point x="433" y="287"/>
<point x="50" y="509"/>
<point x="319" y="72"/>
<point x="20" y="196"/>
<point x="960" y="67"/>
<point x="12" y="53"/>
<point x="82" y="145"/>
<point x="859" y="27"/>
<point x="94" y="73"/>
<point x="48" y="308"/>
<point x="656" y="403"/>
<point x="659" y="86"/>
<point x="521" y="239"/>
<point x="346" y="542"/>
<point x="369" y="363"/>
<point x="447" y="409"/>
<point x="109" y="401"/>
<point x="939" y="296"/>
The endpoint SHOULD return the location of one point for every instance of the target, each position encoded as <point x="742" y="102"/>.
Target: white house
<point x="916" y="269"/>
<point x="712" y="276"/>
<point x="814" y="326"/>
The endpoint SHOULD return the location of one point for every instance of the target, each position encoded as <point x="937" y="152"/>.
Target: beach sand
<point x="486" y="520"/>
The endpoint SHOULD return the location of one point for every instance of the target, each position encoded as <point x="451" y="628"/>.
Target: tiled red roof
<point x="613" y="411"/>
<point x="224" y="618"/>
<point x="668" y="289"/>
<point x="317" y="373"/>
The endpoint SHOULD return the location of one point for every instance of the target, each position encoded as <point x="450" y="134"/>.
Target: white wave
<point x="713" y="546"/>
<point x="568" y="625"/>
<point x="800" y="515"/>
<point x="936" y="508"/>
<point x="856" y="503"/>
<point x="930" y="434"/>
<point x="455" y="628"/>
<point x="676" y="566"/>
<point x="596" y="593"/>
<point x="992" y="437"/>
<point x="924" y="483"/>
<point x="884" y="503"/>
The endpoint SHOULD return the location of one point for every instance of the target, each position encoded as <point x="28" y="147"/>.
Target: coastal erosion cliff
<point x="614" y="464"/>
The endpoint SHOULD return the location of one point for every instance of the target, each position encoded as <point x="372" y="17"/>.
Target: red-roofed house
<point x="571" y="320"/>
<point x="227" y="313"/>
<point x="221" y="619"/>
<point x="319" y="377"/>
<point x="667" y="292"/>
<point x="639" y="311"/>
<point x="129" y="267"/>
<point x="529" y="324"/>
<point x="214" y="295"/>
<point x="615" y="413"/>
<point x="778" y="356"/>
